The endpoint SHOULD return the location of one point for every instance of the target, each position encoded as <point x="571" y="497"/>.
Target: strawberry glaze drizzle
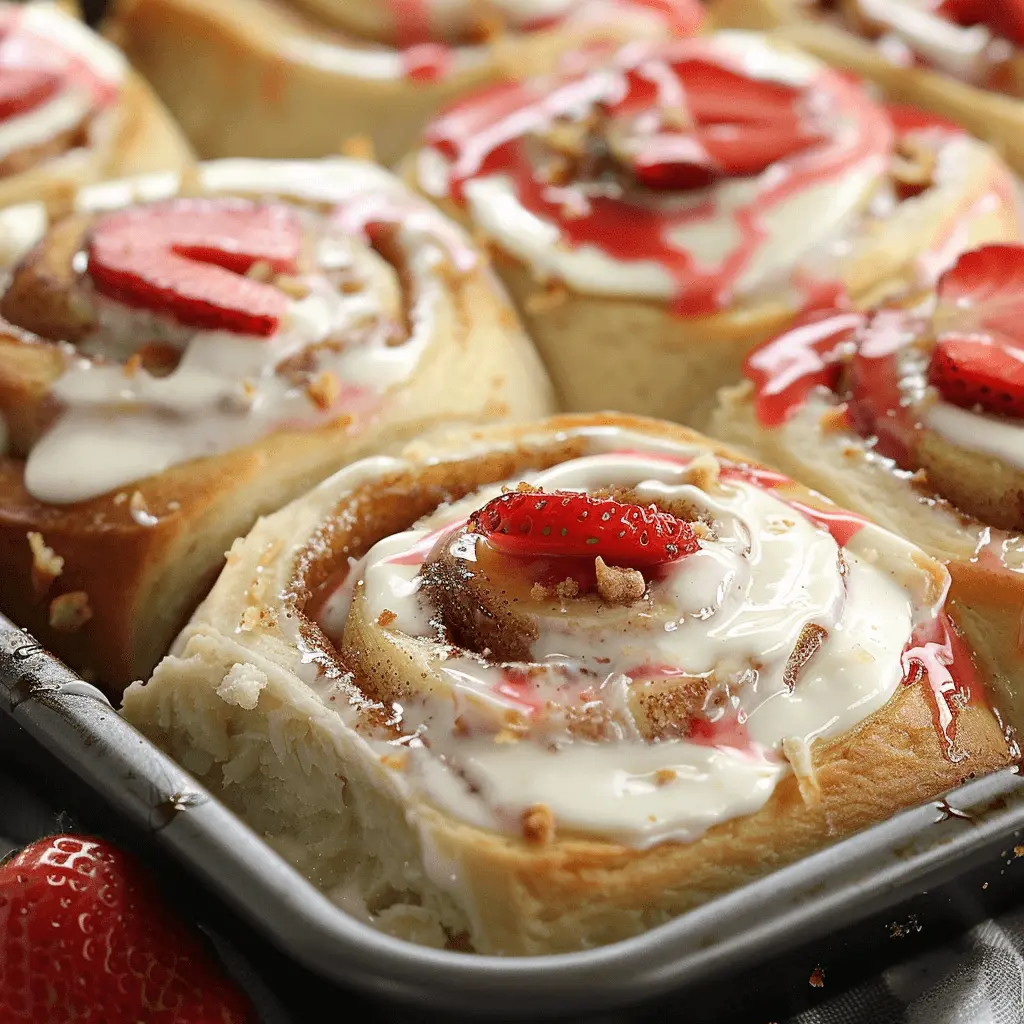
<point x="487" y="136"/>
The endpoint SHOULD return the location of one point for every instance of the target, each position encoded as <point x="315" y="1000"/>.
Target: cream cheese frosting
<point x="732" y="613"/>
<point x="228" y="388"/>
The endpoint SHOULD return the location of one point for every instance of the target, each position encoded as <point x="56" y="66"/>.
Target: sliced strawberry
<point x="85" y="936"/>
<point x="566" y="523"/>
<point x="1005" y="18"/>
<point x="185" y="257"/>
<point x="23" y="89"/>
<point x="716" y="95"/>
<point x="983" y="293"/>
<point x="969" y="372"/>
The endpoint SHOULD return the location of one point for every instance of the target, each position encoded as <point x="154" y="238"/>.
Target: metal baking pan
<point x="869" y="873"/>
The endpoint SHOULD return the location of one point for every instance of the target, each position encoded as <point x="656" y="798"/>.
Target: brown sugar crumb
<point x="459" y="727"/>
<point x="798" y="754"/>
<point x="551" y="297"/>
<point x="913" y="167"/>
<point x="133" y="365"/>
<point x="701" y="530"/>
<point x="251" y="618"/>
<point x="538" y="592"/>
<point x="834" y="420"/>
<point x="261" y="271"/>
<point x="70" y="612"/>
<point x="663" y="776"/>
<point x="1018" y="851"/>
<point x="704" y="472"/>
<point x="385" y="618"/>
<point x="567" y="589"/>
<point x="538" y="825"/>
<point x="817" y="978"/>
<point x="619" y="586"/>
<point x="46" y="565"/>
<point x="507" y="736"/>
<point x="294" y="287"/>
<point x="359" y="147"/>
<point x="324" y="390"/>
<point x="396" y="762"/>
<point x="524" y="488"/>
<point x="811" y="638"/>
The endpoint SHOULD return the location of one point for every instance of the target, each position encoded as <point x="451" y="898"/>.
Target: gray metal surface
<point x="914" y="851"/>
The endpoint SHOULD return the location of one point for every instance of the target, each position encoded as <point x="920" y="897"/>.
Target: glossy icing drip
<point x="570" y="727"/>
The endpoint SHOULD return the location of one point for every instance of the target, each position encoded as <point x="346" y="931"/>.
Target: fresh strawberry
<point x="717" y="95"/>
<point x="566" y="523"/>
<point x="970" y="372"/>
<point x="22" y="89"/>
<point x="186" y="258"/>
<point x="983" y="293"/>
<point x="85" y="937"/>
<point x="1005" y="18"/>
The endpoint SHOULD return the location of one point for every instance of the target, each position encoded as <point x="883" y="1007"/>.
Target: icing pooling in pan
<point x="733" y="613"/>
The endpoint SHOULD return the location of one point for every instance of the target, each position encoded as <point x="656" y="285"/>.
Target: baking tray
<point x="871" y="872"/>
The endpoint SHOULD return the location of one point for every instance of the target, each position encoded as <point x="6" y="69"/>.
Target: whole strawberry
<point x="86" y="937"/>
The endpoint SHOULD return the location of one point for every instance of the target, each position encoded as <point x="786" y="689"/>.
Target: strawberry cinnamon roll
<point x="71" y="111"/>
<point x="658" y="211"/>
<point x="962" y="59"/>
<point x="177" y="358"/>
<point x="299" y="78"/>
<point x="916" y="417"/>
<point x="538" y="689"/>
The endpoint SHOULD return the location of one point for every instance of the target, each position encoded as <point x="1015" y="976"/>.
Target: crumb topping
<point x="538" y="825"/>
<point x="46" y="565"/>
<point x="324" y="390"/>
<point x="70" y="612"/>
<point x="617" y="586"/>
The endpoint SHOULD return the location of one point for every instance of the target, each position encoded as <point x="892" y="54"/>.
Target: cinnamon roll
<point x="658" y="211"/>
<point x="297" y="78"/>
<point x="537" y="689"/>
<point x="178" y="357"/>
<point x="71" y="111"/>
<point x="962" y="59"/>
<point x="915" y="416"/>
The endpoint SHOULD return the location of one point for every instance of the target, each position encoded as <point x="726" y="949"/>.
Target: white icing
<point x="74" y="37"/>
<point x="743" y="600"/>
<point x="21" y="227"/>
<point x="226" y="392"/>
<point x="978" y="432"/>
<point x="965" y="53"/>
<point x="805" y="229"/>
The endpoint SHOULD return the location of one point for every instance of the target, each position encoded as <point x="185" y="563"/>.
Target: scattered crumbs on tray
<point x="817" y="978"/>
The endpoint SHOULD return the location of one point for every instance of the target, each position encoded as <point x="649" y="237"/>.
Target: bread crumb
<point x="618" y="586"/>
<point x="704" y="472"/>
<point x="834" y="420"/>
<point x="359" y="147"/>
<point x="385" y="618"/>
<point x="70" y="612"/>
<point x="292" y="286"/>
<point x="538" y="825"/>
<point x="46" y="565"/>
<point x="1018" y="851"/>
<point x="701" y="530"/>
<point x="538" y="592"/>
<point x="551" y="297"/>
<point x="251" y="618"/>
<point x="324" y="390"/>
<point x="567" y="589"/>
<point x="798" y="753"/>
<point x="663" y="776"/>
<point x="507" y="736"/>
<point x="242" y="686"/>
<point x="817" y="978"/>
<point x="133" y="365"/>
<point x="261" y="271"/>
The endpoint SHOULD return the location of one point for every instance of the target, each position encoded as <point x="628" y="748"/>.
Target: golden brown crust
<point x="544" y="890"/>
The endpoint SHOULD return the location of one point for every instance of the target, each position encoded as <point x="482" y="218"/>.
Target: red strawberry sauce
<point x="732" y="114"/>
